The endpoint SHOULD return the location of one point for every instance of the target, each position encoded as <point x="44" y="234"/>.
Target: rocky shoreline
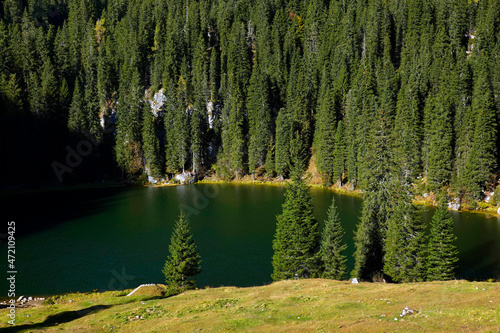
<point x="24" y="302"/>
<point x="482" y="207"/>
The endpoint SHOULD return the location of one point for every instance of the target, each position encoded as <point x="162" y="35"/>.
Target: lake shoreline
<point x="420" y="201"/>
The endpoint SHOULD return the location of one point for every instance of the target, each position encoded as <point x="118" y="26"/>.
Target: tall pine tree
<point x="283" y="137"/>
<point x="128" y="130"/>
<point x="404" y="244"/>
<point x="324" y="135"/>
<point x="259" y="119"/>
<point x="296" y="241"/>
<point x="371" y="230"/>
<point x="183" y="262"/>
<point x="443" y="254"/>
<point x="482" y="158"/>
<point x="332" y="246"/>
<point x="339" y="153"/>
<point x="151" y="143"/>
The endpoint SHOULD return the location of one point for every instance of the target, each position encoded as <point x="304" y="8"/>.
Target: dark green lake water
<point x="117" y="238"/>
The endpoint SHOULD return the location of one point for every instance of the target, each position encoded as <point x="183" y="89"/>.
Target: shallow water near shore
<point x="117" y="238"/>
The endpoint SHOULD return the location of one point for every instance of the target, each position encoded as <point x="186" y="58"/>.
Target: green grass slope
<point x="288" y="306"/>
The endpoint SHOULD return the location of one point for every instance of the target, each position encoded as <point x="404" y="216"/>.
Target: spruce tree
<point x="296" y="241"/>
<point x="48" y="87"/>
<point x="128" y="130"/>
<point x="370" y="234"/>
<point x="200" y="96"/>
<point x="339" y="153"/>
<point x="368" y="239"/>
<point x="283" y="137"/>
<point x="214" y="74"/>
<point x="181" y="127"/>
<point x="259" y="119"/>
<point x="183" y="262"/>
<point x="11" y="91"/>
<point x="332" y="246"/>
<point x="270" y="162"/>
<point x="408" y="131"/>
<point x="64" y="100"/>
<point x="408" y="121"/>
<point x="90" y="92"/>
<point x="463" y="126"/>
<point x="151" y="143"/>
<point x="175" y="43"/>
<point x="76" y="118"/>
<point x="239" y="70"/>
<point x="438" y="141"/>
<point x="324" y="135"/>
<point x="103" y="78"/>
<point x="438" y="115"/>
<point x="35" y="97"/>
<point x="443" y="254"/>
<point x="300" y="104"/>
<point x="404" y="244"/>
<point x="351" y="122"/>
<point x="61" y="50"/>
<point x="367" y="108"/>
<point x="170" y="117"/>
<point x="198" y="126"/>
<point x="482" y="158"/>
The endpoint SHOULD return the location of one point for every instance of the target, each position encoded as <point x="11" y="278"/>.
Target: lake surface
<point x="117" y="238"/>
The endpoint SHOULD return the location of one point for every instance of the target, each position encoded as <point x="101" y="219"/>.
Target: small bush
<point x="48" y="301"/>
<point x="495" y="199"/>
<point x="483" y="205"/>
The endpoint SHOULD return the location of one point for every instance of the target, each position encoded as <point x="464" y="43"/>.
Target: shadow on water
<point x="59" y="318"/>
<point x="37" y="211"/>
<point x="485" y="265"/>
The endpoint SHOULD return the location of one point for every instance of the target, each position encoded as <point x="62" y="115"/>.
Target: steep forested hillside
<point x="244" y="87"/>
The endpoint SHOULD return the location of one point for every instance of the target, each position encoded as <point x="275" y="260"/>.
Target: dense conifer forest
<point x="91" y="90"/>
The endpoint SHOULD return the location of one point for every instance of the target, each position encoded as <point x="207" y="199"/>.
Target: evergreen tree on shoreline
<point x="339" y="153"/>
<point x="259" y="119"/>
<point x="483" y="154"/>
<point x="184" y="260"/>
<point x="368" y="240"/>
<point x="332" y="246"/>
<point x="296" y="241"/>
<point x="324" y="135"/>
<point x="151" y="143"/>
<point x="371" y="231"/>
<point x="404" y="244"/>
<point x="443" y="254"/>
